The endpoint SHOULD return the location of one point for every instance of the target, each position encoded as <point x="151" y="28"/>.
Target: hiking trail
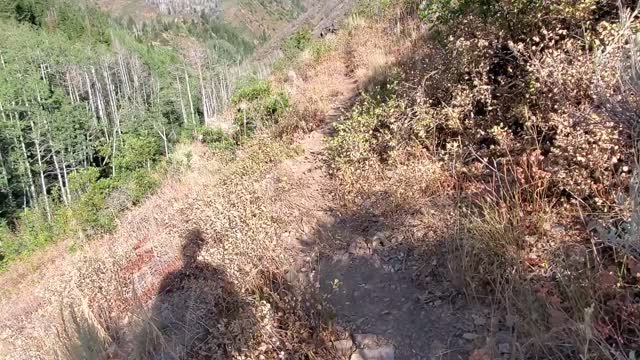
<point x="367" y="277"/>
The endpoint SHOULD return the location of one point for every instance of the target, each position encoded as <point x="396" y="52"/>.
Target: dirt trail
<point x="368" y="278"/>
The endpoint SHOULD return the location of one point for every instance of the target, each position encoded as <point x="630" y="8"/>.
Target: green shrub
<point x="372" y="131"/>
<point x="137" y="151"/>
<point x="138" y="185"/>
<point x="33" y="231"/>
<point x="251" y="90"/>
<point x="258" y="106"/>
<point x="371" y="8"/>
<point x="88" y="210"/>
<point x="6" y="240"/>
<point x="296" y="43"/>
<point x="320" y="48"/>
<point x="216" y="138"/>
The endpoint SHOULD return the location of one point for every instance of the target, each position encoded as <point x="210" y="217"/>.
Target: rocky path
<point x="368" y="277"/>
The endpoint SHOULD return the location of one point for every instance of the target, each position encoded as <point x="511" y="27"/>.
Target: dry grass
<point x="537" y="147"/>
<point x="109" y="284"/>
<point x="492" y="156"/>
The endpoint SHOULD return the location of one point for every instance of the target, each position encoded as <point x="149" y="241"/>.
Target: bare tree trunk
<point x="112" y="100"/>
<point x="5" y="177"/>
<point x="193" y="114"/>
<point x="33" y="197"/>
<point x="66" y="177"/>
<point x="113" y="153"/>
<point x="63" y="191"/>
<point x="184" y="112"/>
<point x="56" y="164"/>
<point x="100" y="103"/>
<point x="36" y="141"/>
<point x="91" y="102"/>
<point x="124" y="75"/>
<point x="205" y="107"/>
<point x="163" y="134"/>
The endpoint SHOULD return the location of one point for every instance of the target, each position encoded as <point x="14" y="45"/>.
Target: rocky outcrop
<point x="186" y="7"/>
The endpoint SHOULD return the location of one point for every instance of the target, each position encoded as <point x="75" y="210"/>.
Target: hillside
<point x="258" y="19"/>
<point x="425" y="180"/>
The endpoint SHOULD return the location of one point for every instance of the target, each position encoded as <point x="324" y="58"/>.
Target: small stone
<point x="438" y="349"/>
<point x="341" y="257"/>
<point x="344" y="348"/>
<point x="380" y="353"/>
<point x="367" y="340"/>
<point x="292" y="76"/>
<point x="510" y="320"/>
<point x="479" y="320"/>
<point x="503" y="336"/>
<point x="469" y="336"/>
<point x="504" y="348"/>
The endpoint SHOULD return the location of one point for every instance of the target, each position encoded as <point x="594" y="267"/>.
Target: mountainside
<point x="368" y="180"/>
<point x="258" y="19"/>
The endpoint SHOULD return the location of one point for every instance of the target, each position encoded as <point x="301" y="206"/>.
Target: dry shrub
<point x="535" y="121"/>
<point x="81" y="336"/>
<point x="298" y="321"/>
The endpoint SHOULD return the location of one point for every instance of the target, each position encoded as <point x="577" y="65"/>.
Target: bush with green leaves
<point x="371" y="131"/>
<point x="258" y="106"/>
<point x="296" y="43"/>
<point x="215" y="138"/>
<point x="137" y="151"/>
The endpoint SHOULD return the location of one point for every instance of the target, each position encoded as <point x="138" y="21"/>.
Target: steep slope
<point x="400" y="189"/>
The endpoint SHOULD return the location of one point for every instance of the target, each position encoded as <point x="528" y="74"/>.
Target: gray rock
<point x="504" y="348"/>
<point x="344" y="348"/>
<point x="380" y="353"/>
<point x="503" y="336"/>
<point x="479" y="320"/>
<point x="438" y="349"/>
<point x="368" y="340"/>
<point x="469" y="336"/>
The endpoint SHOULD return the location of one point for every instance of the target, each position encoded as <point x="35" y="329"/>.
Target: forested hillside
<point x="89" y="106"/>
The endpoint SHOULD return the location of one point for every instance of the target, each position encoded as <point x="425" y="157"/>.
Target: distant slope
<point x="261" y="18"/>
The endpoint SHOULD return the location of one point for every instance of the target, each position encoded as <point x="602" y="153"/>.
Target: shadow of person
<point x="197" y="313"/>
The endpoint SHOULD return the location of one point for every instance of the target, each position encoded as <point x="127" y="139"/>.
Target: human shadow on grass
<point x="197" y="313"/>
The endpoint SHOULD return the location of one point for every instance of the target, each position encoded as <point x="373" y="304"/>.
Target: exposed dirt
<point x="368" y="279"/>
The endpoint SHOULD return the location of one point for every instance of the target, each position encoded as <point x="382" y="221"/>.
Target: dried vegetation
<point x="529" y="109"/>
<point x="501" y="136"/>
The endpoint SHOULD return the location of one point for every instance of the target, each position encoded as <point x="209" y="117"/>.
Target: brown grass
<point x="498" y="160"/>
<point x="536" y="158"/>
<point x="109" y="283"/>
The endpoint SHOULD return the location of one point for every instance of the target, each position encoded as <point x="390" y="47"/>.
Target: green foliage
<point x="34" y="231"/>
<point x="258" y="106"/>
<point x="251" y="90"/>
<point x="371" y="8"/>
<point x="369" y="132"/>
<point x="137" y="152"/>
<point x="320" y="48"/>
<point x="138" y="184"/>
<point x="520" y="16"/>
<point x="89" y="103"/>
<point x="296" y="43"/>
<point x="215" y="138"/>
